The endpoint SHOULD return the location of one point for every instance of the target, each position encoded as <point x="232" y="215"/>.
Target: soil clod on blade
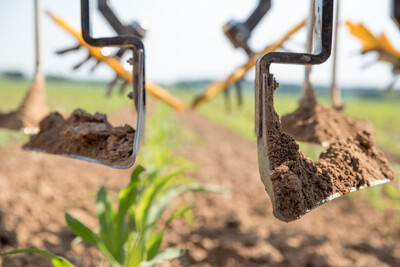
<point x="84" y="135"/>
<point x="300" y="185"/>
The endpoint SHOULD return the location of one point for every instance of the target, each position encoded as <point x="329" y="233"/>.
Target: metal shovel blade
<point x="97" y="125"/>
<point x="295" y="184"/>
<point x="77" y="140"/>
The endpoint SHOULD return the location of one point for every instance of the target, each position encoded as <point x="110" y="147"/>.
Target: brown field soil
<point x="32" y="109"/>
<point x="231" y="229"/>
<point x="86" y="135"/>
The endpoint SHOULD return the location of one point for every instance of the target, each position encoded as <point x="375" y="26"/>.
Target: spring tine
<point x="92" y="69"/>
<point x="77" y="66"/>
<point x="239" y="94"/>
<point x="122" y="89"/>
<point x="111" y="86"/>
<point x="227" y="100"/>
<point x="61" y="52"/>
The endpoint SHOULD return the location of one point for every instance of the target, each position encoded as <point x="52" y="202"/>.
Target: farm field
<point x="235" y="228"/>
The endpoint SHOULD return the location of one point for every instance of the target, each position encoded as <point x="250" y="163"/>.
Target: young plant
<point x="128" y="236"/>
<point x="57" y="261"/>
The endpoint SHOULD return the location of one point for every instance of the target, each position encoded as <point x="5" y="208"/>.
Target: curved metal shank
<point x="258" y="14"/>
<point x="134" y="29"/>
<point x="239" y="32"/>
<point x="139" y="93"/>
<point x="396" y="12"/>
<point x="322" y="51"/>
<point x="265" y="82"/>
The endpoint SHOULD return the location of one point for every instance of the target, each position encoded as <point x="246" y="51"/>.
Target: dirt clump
<point x="85" y="135"/>
<point x="31" y="111"/>
<point x="299" y="184"/>
<point x="315" y="123"/>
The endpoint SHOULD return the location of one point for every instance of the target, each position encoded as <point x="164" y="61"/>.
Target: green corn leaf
<point x="164" y="256"/>
<point x="135" y="250"/>
<point x="90" y="237"/>
<point x="158" y="208"/>
<point x="136" y="172"/>
<point x="80" y="229"/>
<point x="157" y="187"/>
<point x="106" y="216"/>
<point x="56" y="261"/>
<point x="155" y="241"/>
<point x="177" y="214"/>
<point x="127" y="198"/>
<point x="154" y="244"/>
<point x="391" y="191"/>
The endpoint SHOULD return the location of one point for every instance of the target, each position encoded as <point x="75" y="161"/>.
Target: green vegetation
<point x="56" y="261"/>
<point x="127" y="236"/>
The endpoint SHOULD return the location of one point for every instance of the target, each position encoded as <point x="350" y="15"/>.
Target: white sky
<point x="185" y="39"/>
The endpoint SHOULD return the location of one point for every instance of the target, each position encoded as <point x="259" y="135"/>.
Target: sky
<point x="185" y="40"/>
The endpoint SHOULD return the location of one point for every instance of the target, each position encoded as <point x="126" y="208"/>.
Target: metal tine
<point x="94" y="67"/>
<point x="111" y="86"/>
<point x="63" y="51"/>
<point x="123" y="88"/>
<point x="80" y="64"/>
<point x="265" y="112"/>
<point x="321" y="52"/>
<point x="135" y="44"/>
<point x="139" y="94"/>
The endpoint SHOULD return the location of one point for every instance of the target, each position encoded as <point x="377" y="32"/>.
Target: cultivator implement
<point x="217" y="87"/>
<point x="113" y="62"/>
<point x="239" y="34"/>
<point x="380" y="44"/>
<point x="315" y="123"/>
<point x="91" y="137"/>
<point x="296" y="184"/>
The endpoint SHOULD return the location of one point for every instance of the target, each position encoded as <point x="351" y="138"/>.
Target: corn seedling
<point x="57" y="261"/>
<point x="127" y="236"/>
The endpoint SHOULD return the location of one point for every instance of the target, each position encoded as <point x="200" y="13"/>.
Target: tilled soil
<point x="315" y="123"/>
<point x="238" y="229"/>
<point x="86" y="135"/>
<point x="231" y="229"/>
<point x="31" y="111"/>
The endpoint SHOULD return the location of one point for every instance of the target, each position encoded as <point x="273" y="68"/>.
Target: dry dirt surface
<point x="231" y="229"/>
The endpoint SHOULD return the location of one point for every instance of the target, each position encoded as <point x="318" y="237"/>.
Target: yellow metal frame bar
<point x="370" y="42"/>
<point x="217" y="87"/>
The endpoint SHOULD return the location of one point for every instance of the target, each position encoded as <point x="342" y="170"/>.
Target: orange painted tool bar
<point x="215" y="88"/>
